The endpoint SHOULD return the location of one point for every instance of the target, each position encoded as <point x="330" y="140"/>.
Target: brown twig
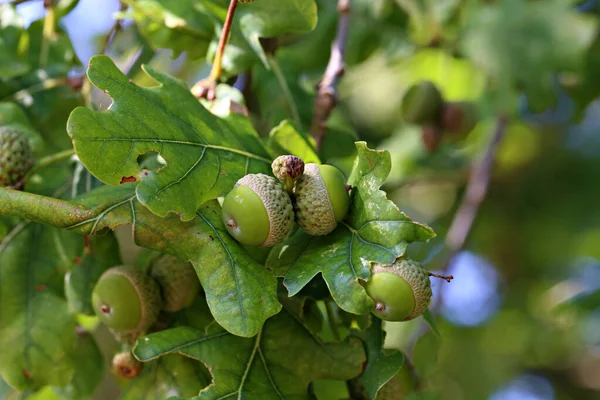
<point x="475" y="192"/>
<point x="17" y="2"/>
<point x="327" y="90"/>
<point x="447" y="278"/>
<point x="110" y="36"/>
<point x="207" y="87"/>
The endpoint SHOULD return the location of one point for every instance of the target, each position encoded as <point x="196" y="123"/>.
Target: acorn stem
<point x="288" y="185"/>
<point x="447" y="278"/>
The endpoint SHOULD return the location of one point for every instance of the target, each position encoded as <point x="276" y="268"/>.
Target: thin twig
<point x="475" y="192"/>
<point x="110" y="36"/>
<point x="49" y="160"/>
<point x="447" y="278"/>
<point x="327" y="92"/>
<point x="217" y="67"/>
<point x="207" y="87"/>
<point x="17" y="2"/>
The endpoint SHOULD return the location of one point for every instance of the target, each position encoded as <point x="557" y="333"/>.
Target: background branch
<point x="327" y="91"/>
<point x="477" y="187"/>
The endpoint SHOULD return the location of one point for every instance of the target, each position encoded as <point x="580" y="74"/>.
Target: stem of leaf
<point x="40" y="87"/>
<point x="48" y="31"/>
<point x="331" y="321"/>
<point x="49" y="160"/>
<point x="217" y="67"/>
<point x="286" y="91"/>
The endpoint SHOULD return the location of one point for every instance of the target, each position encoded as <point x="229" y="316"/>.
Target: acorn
<point x="459" y="117"/>
<point x="422" y="104"/>
<point x="178" y="282"/>
<point x="258" y="211"/>
<point x="401" y="291"/>
<point x="320" y="199"/>
<point x="16" y="157"/>
<point x="127" y="300"/>
<point x="126" y="365"/>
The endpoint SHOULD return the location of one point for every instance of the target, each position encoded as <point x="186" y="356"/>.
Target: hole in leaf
<point x="152" y="161"/>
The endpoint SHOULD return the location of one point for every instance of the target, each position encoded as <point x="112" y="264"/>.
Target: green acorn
<point x="320" y="199"/>
<point x="16" y="158"/>
<point x="401" y="291"/>
<point x="126" y="365"/>
<point x="127" y="300"/>
<point x="258" y="211"/>
<point x="422" y="104"/>
<point x="178" y="282"/>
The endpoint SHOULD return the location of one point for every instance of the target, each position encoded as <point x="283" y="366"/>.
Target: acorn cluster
<point x="424" y="105"/>
<point x="129" y="299"/>
<point x="260" y="210"/>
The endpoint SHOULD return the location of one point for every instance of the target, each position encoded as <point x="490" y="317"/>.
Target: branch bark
<point x="327" y="91"/>
<point x="475" y="193"/>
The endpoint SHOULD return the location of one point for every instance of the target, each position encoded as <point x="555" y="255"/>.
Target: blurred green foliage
<point x="534" y="61"/>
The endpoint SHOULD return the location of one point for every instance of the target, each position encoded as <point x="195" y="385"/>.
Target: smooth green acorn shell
<point x="401" y="291"/>
<point x="393" y="296"/>
<point x="257" y="211"/>
<point x="321" y="199"/>
<point x="126" y="300"/>
<point x="422" y="103"/>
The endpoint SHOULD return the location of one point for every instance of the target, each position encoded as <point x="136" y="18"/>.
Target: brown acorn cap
<point x="178" y="282"/>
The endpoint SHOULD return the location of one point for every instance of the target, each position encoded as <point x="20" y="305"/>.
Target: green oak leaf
<point x="37" y="332"/>
<point x="181" y="25"/>
<point x="12" y="62"/>
<point x="89" y="370"/>
<point x="254" y="368"/>
<point x="101" y="253"/>
<point x="285" y="139"/>
<point x="205" y="154"/>
<point x="240" y="292"/>
<point x="271" y="18"/>
<point x="381" y="365"/>
<point x="517" y="43"/>
<point x="374" y="231"/>
<point x="169" y="376"/>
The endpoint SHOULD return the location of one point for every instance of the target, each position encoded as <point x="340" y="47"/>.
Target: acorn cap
<point x="415" y="276"/>
<point x="178" y="282"/>
<point x="320" y="199"/>
<point x="459" y="117"/>
<point x="287" y="167"/>
<point x="258" y="211"/>
<point x="127" y="300"/>
<point x="126" y="365"/>
<point x="16" y="156"/>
